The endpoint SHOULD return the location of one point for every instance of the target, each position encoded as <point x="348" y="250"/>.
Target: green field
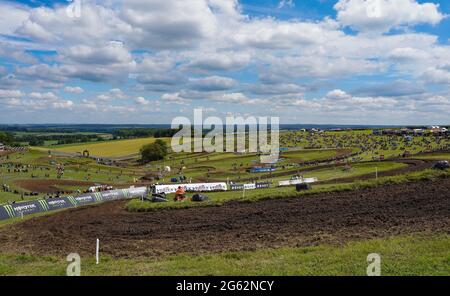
<point x="117" y="148"/>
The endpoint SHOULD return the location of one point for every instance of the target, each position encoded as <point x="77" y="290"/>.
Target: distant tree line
<point x="39" y="140"/>
<point x="34" y="139"/>
<point x="7" y="138"/>
<point x="77" y="128"/>
<point x="131" y="133"/>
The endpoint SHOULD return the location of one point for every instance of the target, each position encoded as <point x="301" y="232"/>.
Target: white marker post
<point x="376" y="172"/>
<point x="97" y="250"/>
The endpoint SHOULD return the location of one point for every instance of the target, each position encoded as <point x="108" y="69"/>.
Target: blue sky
<point x="148" y="61"/>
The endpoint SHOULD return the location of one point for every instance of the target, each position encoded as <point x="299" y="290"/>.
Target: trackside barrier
<point x="250" y="186"/>
<point x="193" y="187"/>
<point x="47" y="205"/>
<point x="209" y="187"/>
<point x="262" y="170"/>
<point x="297" y="181"/>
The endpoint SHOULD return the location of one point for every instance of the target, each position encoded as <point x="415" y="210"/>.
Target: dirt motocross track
<point x="323" y="218"/>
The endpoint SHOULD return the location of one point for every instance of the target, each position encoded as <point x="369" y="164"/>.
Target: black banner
<point x="60" y="203"/>
<point x="28" y="208"/>
<point x="263" y="185"/>
<point x="85" y="200"/>
<point x="237" y="186"/>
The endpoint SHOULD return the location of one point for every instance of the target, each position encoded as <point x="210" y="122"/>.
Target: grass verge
<point x="420" y="254"/>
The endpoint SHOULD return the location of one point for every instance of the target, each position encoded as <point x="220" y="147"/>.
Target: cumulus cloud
<point x="439" y="75"/>
<point x="142" y="101"/>
<point x="272" y="34"/>
<point x="338" y="94"/>
<point x="74" y="89"/>
<point x="52" y="25"/>
<point x="35" y="100"/>
<point x="238" y="98"/>
<point x="49" y="96"/>
<point x="219" y="61"/>
<point x="15" y="16"/>
<point x="112" y="53"/>
<point x="395" y="88"/>
<point x="276" y="88"/>
<point x="174" y="98"/>
<point x="384" y="15"/>
<point x="212" y="83"/>
<point x="112" y="94"/>
<point x="7" y="94"/>
<point x="165" y="24"/>
<point x="408" y="54"/>
<point x="186" y="51"/>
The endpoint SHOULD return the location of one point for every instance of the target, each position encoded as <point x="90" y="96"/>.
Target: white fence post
<point x="97" y="250"/>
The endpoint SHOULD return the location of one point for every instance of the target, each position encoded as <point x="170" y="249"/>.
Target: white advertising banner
<point x="297" y="181"/>
<point x="250" y="186"/>
<point x="284" y="183"/>
<point x="194" y="187"/>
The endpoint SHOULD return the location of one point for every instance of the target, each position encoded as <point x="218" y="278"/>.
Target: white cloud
<point x="7" y="94"/>
<point x="74" y="89"/>
<point x="338" y="94"/>
<point x="52" y="25"/>
<point x="276" y="89"/>
<point x="212" y="83"/>
<point x="49" y="96"/>
<point x="238" y="98"/>
<point x="174" y="98"/>
<point x="142" y="101"/>
<point x="284" y="3"/>
<point x="437" y="75"/>
<point x="112" y="53"/>
<point x="112" y="94"/>
<point x="384" y="15"/>
<point x="165" y="24"/>
<point x="218" y="61"/>
<point x="62" y="105"/>
<point x="408" y="54"/>
<point x="274" y="34"/>
<point x="13" y="15"/>
<point x="37" y="101"/>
